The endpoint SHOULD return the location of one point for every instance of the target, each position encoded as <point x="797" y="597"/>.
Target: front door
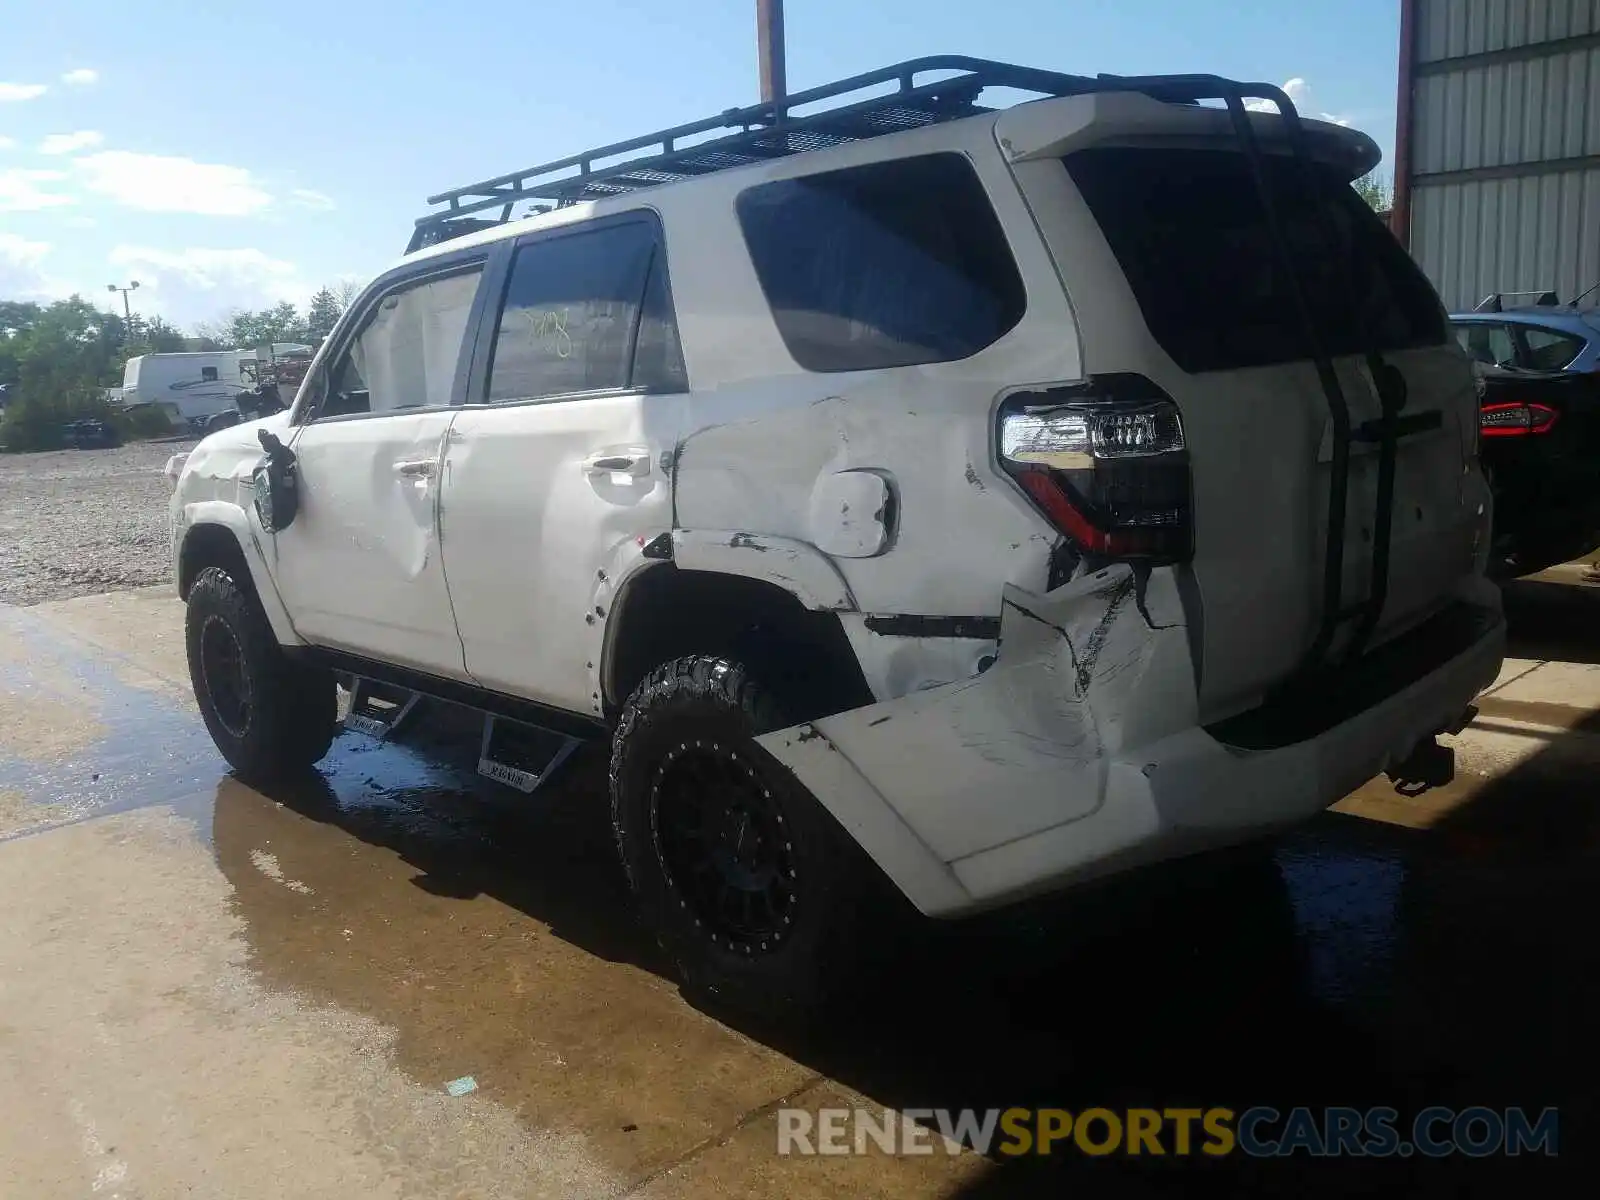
<point x="359" y="567"/>
<point x="562" y="458"/>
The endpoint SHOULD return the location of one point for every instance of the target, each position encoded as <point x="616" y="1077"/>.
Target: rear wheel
<point x="748" y="883"/>
<point x="270" y="716"/>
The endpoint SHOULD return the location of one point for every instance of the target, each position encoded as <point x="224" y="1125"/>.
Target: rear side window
<point x="886" y="265"/>
<point x="1191" y="235"/>
<point x="1549" y="350"/>
<point x="1487" y="342"/>
<point x="587" y="312"/>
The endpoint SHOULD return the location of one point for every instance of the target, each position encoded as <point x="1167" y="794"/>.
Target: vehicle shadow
<point x="552" y="857"/>
<point x="1553" y="621"/>
<point x="1356" y="963"/>
<point x="1453" y="963"/>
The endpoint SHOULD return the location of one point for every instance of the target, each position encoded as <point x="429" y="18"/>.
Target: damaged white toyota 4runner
<point x="980" y="500"/>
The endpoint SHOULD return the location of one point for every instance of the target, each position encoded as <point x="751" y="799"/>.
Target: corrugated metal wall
<point x="1504" y="154"/>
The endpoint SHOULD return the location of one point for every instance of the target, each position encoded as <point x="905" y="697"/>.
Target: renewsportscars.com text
<point x="1260" y="1132"/>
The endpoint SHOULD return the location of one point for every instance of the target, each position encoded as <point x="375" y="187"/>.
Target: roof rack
<point x="762" y="132"/>
<point x="1495" y="301"/>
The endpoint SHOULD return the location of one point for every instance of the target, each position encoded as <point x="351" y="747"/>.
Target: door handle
<point x="417" y="468"/>
<point x="618" y="462"/>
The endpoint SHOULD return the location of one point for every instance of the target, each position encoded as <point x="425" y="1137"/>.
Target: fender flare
<point x="795" y="566"/>
<point x="236" y="521"/>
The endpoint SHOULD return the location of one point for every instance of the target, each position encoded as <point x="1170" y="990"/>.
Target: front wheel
<point x="749" y="885"/>
<point x="270" y="716"/>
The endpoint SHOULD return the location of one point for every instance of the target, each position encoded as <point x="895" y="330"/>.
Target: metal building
<point x="1497" y="150"/>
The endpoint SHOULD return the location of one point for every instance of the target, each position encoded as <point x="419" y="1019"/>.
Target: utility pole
<point x="769" y="40"/>
<point x="127" y="313"/>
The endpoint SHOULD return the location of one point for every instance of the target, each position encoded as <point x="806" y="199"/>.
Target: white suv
<point x="980" y="500"/>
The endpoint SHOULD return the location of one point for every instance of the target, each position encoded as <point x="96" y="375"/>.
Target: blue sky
<point x="230" y="156"/>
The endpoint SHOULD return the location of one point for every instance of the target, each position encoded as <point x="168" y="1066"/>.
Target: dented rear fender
<point x="1082" y="674"/>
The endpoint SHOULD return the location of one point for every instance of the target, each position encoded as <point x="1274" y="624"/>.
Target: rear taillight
<point x="1516" y="419"/>
<point x="1106" y="462"/>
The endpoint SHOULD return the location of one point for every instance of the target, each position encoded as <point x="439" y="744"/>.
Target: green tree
<point x="59" y="358"/>
<point x="325" y="310"/>
<point x="245" y="330"/>
<point x="152" y="336"/>
<point x="56" y="360"/>
<point x="1376" y="190"/>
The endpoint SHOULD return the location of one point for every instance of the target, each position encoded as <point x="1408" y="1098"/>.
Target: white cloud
<point x="21" y="91"/>
<point x="70" y="143"/>
<point x="16" y="249"/>
<point x="82" y="77"/>
<point x="20" y="275"/>
<point x="25" y="190"/>
<point x="7" y="143"/>
<point x="307" y="198"/>
<point x="160" y="183"/>
<point x="1298" y="91"/>
<point x="200" y="283"/>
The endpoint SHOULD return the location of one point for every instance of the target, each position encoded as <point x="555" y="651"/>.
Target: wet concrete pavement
<point x="207" y="988"/>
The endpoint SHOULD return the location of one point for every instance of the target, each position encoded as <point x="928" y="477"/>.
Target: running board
<point x="521" y="756"/>
<point x="378" y="709"/>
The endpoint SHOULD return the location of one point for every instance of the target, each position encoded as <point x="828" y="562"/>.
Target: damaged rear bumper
<point x="1080" y="751"/>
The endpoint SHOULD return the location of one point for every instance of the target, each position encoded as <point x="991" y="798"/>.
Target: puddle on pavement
<point x="493" y="933"/>
<point x="126" y="747"/>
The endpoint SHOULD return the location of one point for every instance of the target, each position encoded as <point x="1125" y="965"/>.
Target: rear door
<point x="359" y="568"/>
<point x="561" y="457"/>
<point x="1165" y="249"/>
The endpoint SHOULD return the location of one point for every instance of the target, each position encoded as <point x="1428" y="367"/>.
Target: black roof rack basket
<point x="754" y="134"/>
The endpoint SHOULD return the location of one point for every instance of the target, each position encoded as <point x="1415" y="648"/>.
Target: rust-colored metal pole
<point x="1400" y="213"/>
<point x="769" y="39"/>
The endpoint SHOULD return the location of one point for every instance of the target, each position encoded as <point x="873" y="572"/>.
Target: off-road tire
<point x="291" y="713"/>
<point x="711" y="706"/>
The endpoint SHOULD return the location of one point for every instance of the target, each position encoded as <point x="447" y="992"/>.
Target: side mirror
<point x="277" y="484"/>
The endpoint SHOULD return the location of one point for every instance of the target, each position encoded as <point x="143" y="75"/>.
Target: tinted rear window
<point x="884" y="265"/>
<point x="1190" y="232"/>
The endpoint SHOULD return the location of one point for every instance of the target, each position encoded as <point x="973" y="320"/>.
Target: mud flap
<point x="1084" y="674"/>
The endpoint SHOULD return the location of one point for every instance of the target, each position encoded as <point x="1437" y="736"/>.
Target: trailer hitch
<point x="1428" y="765"/>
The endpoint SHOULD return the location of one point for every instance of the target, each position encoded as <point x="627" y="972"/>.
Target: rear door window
<point x="1487" y="342"/>
<point x="1191" y="235"/>
<point x="589" y="311"/>
<point x="1548" y="349"/>
<point x="886" y="265"/>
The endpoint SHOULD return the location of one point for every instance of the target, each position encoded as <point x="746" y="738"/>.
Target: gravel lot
<point x="74" y="522"/>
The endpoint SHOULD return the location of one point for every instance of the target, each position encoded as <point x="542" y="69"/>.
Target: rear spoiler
<point x="1054" y="128"/>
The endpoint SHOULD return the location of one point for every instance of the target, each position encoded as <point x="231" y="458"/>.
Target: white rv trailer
<point x="190" y="386"/>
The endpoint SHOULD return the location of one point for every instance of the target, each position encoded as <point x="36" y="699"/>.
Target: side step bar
<point x="514" y="753"/>
<point x="521" y="756"/>
<point x="378" y="709"/>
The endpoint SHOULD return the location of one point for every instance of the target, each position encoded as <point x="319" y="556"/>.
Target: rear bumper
<point x="1079" y="754"/>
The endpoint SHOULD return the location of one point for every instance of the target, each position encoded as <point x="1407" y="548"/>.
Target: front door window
<point x="406" y="353"/>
